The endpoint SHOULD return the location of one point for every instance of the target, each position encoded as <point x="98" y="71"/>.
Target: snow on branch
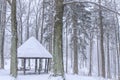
<point x="9" y="1"/>
<point x="71" y="2"/>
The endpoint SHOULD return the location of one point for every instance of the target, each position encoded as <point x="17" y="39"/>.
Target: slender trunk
<point x="1" y="53"/>
<point x="21" y="23"/>
<point x="75" y="43"/>
<point x="36" y="29"/>
<point x="108" y="57"/>
<point x="71" y="58"/>
<point x="21" y="36"/>
<point x="28" y="18"/>
<point x="98" y="56"/>
<point x="2" y="32"/>
<point x="101" y="41"/>
<point x="42" y="23"/>
<point x="13" y="70"/>
<point x="118" y="48"/>
<point x="91" y="47"/>
<point x="52" y="29"/>
<point x="66" y="47"/>
<point x="52" y="35"/>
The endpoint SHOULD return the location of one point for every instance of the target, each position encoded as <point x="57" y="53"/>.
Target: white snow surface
<point x="32" y="48"/>
<point x="5" y="75"/>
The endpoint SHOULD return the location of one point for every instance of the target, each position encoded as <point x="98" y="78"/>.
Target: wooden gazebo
<point x="33" y="50"/>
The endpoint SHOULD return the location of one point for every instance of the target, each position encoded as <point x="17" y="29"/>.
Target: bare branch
<point x="9" y="1"/>
<point x="71" y="2"/>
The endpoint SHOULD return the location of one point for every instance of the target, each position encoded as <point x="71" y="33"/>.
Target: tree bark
<point x="58" y="51"/>
<point x="21" y="22"/>
<point x="42" y="23"/>
<point x="13" y="67"/>
<point x="75" y="45"/>
<point x="101" y="41"/>
<point x="28" y="19"/>
<point x="108" y="57"/>
<point x="91" y="49"/>
<point x="118" y="38"/>
<point x="98" y="56"/>
<point x="2" y="31"/>
<point x="66" y="47"/>
<point x="28" y="25"/>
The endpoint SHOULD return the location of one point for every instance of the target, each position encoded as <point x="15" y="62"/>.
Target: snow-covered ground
<point x="4" y="75"/>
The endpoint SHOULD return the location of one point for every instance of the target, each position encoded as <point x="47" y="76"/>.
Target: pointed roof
<point x="32" y="48"/>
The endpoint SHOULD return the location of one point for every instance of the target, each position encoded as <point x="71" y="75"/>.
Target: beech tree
<point x="2" y="30"/>
<point x="101" y="41"/>
<point x="13" y="67"/>
<point x="58" y="26"/>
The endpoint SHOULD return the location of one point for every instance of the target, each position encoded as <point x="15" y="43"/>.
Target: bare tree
<point x="42" y="23"/>
<point x="117" y="32"/>
<point x="21" y="9"/>
<point x="66" y="46"/>
<point x="13" y="67"/>
<point x="101" y="41"/>
<point x="28" y="20"/>
<point x="108" y="57"/>
<point x="75" y="43"/>
<point x="37" y="18"/>
<point x="98" y="55"/>
<point x="2" y="30"/>
<point x="91" y="49"/>
<point x="58" y="53"/>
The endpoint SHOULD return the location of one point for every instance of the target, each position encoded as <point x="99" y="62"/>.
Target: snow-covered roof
<point x="32" y="48"/>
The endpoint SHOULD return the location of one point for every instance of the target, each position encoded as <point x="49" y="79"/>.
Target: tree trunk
<point x="28" y="25"/>
<point x="13" y="69"/>
<point x="108" y="57"/>
<point x="98" y="56"/>
<point x="58" y="51"/>
<point x="66" y="47"/>
<point x="101" y="41"/>
<point x="2" y="31"/>
<point x="20" y="24"/>
<point x="91" y="48"/>
<point x="118" y="54"/>
<point x="28" y="18"/>
<point x="42" y="23"/>
<point x="75" y="43"/>
<point x="37" y="28"/>
<point x="1" y="53"/>
<point x="118" y="35"/>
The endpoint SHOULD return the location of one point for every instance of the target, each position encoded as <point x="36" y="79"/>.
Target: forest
<point x="83" y="36"/>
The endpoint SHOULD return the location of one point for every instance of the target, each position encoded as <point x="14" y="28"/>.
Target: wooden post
<point x="35" y="65"/>
<point x="24" y="66"/>
<point x="45" y="65"/>
<point x="39" y="66"/>
<point x="48" y="65"/>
